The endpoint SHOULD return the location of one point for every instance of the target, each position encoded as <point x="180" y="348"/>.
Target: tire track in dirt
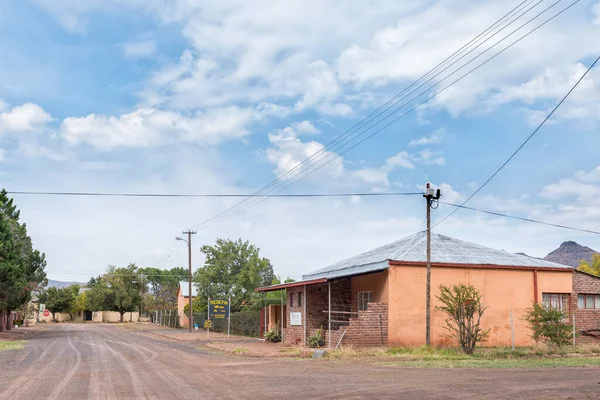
<point x="48" y="357"/>
<point x="65" y="381"/>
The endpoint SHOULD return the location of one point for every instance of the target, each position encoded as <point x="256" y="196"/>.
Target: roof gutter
<point x="290" y="285"/>
<point x="479" y="266"/>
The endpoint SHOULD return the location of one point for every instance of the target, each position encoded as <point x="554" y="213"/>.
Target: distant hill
<point x="571" y="253"/>
<point x="61" y="284"/>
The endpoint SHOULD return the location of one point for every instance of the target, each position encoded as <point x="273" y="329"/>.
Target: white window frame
<point x="364" y="298"/>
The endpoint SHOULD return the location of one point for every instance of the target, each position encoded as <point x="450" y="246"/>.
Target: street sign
<point x="207" y="324"/>
<point x="42" y="307"/>
<point x="46" y="313"/>
<point x="218" y="308"/>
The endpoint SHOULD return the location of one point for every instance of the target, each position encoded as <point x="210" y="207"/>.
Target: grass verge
<point x="428" y="357"/>
<point x="12" y="345"/>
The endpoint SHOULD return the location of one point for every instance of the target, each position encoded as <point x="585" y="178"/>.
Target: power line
<point x="520" y="218"/>
<point x="524" y="143"/>
<point x="223" y="214"/>
<point x="99" y="194"/>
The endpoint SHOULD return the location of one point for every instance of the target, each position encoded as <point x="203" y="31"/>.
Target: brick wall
<point x="585" y="318"/>
<point x="368" y="329"/>
<point x="294" y="334"/>
<point x="317" y="298"/>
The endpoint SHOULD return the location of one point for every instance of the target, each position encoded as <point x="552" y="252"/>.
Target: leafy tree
<point x="161" y="286"/>
<point x="591" y="268"/>
<point x="58" y="300"/>
<point x="117" y="290"/>
<point x="21" y="266"/>
<point x="548" y="325"/>
<point x="462" y="303"/>
<point x="232" y="268"/>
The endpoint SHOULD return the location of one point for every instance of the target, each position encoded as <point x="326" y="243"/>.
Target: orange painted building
<point x="378" y="298"/>
<point x="183" y="299"/>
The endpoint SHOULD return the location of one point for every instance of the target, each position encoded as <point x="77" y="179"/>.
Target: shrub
<point x="547" y="325"/>
<point x="245" y="323"/>
<point x="273" y="336"/>
<point x="316" y="340"/>
<point x="464" y="307"/>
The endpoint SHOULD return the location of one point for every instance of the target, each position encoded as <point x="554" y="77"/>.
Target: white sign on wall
<point x="296" y="318"/>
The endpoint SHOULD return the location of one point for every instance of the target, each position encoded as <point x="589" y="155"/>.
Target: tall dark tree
<point x="21" y="266"/>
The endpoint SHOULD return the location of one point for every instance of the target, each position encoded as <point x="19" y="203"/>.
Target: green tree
<point x="21" y="266"/>
<point x="58" y="300"/>
<point x="591" y="268"/>
<point x="124" y="293"/>
<point x="462" y="303"/>
<point x="161" y="286"/>
<point x="232" y="268"/>
<point x="548" y="325"/>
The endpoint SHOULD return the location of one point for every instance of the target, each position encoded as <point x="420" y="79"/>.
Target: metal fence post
<point x="381" y="329"/>
<point x="574" y="330"/>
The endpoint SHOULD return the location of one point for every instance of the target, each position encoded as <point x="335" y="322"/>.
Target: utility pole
<point x="429" y="195"/>
<point x="189" y="243"/>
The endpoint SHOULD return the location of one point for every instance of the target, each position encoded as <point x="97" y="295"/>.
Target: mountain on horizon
<point x="571" y="253"/>
<point x="61" y="284"/>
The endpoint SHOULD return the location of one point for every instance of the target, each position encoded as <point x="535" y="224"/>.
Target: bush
<point x="464" y="307"/>
<point x="547" y="325"/>
<point x="245" y="323"/>
<point x="273" y="336"/>
<point x="316" y="340"/>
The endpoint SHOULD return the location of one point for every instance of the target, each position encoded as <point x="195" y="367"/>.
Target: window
<point x="291" y="299"/>
<point x="559" y="301"/>
<point x="299" y="299"/>
<point x="364" y="298"/>
<point x="588" y="301"/>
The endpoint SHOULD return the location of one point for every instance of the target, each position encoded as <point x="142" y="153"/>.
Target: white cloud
<point x="402" y="159"/>
<point x="428" y="156"/>
<point x="305" y="127"/>
<point x="28" y="117"/>
<point x="144" y="48"/>
<point x="435" y="138"/>
<point x="149" y="127"/>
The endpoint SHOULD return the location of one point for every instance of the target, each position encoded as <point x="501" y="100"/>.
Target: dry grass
<point x="496" y="357"/>
<point x="240" y="351"/>
<point x="12" y="345"/>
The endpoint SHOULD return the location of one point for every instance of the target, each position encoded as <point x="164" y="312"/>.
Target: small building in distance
<point x="183" y="294"/>
<point x="378" y="297"/>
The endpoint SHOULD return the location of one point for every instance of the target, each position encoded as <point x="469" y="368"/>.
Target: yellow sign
<point x="207" y="324"/>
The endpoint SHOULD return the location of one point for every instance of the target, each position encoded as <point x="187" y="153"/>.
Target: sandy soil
<point x="79" y="361"/>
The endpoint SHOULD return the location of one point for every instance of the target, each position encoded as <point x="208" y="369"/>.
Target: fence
<point x="243" y="323"/>
<point x="165" y="318"/>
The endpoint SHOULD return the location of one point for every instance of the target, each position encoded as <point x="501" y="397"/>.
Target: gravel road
<point x="95" y="361"/>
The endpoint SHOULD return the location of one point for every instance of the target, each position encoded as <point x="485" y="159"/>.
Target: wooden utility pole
<point x="189" y="243"/>
<point x="429" y="196"/>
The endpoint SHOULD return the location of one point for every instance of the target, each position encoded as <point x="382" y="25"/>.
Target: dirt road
<point x="91" y="361"/>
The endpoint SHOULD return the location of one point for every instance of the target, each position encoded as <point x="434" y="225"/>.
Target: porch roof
<point x="444" y="250"/>
<point x="289" y="285"/>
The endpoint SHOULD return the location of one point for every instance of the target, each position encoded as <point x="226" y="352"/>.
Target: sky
<point x="187" y="96"/>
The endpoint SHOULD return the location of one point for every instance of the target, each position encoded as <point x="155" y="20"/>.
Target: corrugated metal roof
<point x="444" y="250"/>
<point x="185" y="290"/>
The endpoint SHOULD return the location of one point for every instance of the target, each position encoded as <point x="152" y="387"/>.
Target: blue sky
<point x="185" y="96"/>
